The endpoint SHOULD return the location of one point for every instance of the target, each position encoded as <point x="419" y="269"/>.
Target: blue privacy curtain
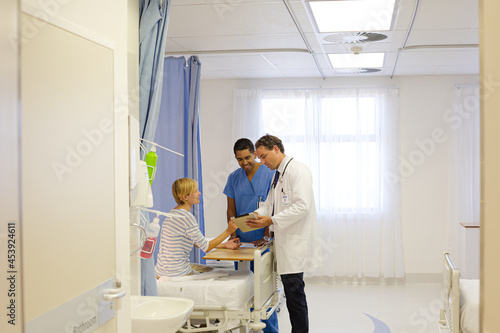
<point x="153" y="25"/>
<point x="179" y="129"/>
<point x="152" y="38"/>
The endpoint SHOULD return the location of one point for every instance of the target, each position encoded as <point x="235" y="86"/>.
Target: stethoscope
<point x="284" y="170"/>
<point x="280" y="179"/>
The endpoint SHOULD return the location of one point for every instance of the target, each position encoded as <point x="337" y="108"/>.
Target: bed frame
<point x="449" y="317"/>
<point x="265" y="300"/>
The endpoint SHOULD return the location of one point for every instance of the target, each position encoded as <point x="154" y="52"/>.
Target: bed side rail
<point x="449" y="320"/>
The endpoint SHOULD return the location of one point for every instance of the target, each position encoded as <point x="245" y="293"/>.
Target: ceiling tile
<point x="221" y="2"/>
<point x="437" y="37"/>
<point x="422" y="58"/>
<point x="446" y="14"/>
<point x="415" y="70"/>
<point x="404" y="13"/>
<point x="301" y="72"/>
<point x="314" y="42"/>
<point x="303" y="17"/>
<point x="231" y="63"/>
<point x="452" y="70"/>
<point x="172" y="46"/>
<point x="323" y="60"/>
<point x="272" y="41"/>
<point x="397" y="39"/>
<point x="260" y="18"/>
<point x="462" y="57"/>
<point x="198" y="25"/>
<point x="212" y="43"/>
<point x="197" y="21"/>
<point x="257" y="74"/>
<point x="187" y="2"/>
<point x="291" y="61"/>
<point x="471" y="36"/>
<point x="213" y="74"/>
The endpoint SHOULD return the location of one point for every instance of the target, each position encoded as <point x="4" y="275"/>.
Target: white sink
<point x="153" y="314"/>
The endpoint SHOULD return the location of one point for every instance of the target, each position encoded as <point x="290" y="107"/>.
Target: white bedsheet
<point x="215" y="274"/>
<point x="232" y="291"/>
<point x="469" y="306"/>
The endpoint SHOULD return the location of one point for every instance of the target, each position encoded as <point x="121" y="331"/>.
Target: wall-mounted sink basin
<point x="154" y="314"/>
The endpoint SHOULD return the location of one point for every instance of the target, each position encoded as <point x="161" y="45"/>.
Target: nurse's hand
<point x="232" y="244"/>
<point x="259" y="221"/>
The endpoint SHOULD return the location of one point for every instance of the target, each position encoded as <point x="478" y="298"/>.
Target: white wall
<point x="424" y="101"/>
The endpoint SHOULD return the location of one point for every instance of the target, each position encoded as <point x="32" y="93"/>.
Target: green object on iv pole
<point x="151" y="159"/>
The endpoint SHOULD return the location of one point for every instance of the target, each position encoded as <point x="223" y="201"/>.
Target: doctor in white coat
<point x="291" y="211"/>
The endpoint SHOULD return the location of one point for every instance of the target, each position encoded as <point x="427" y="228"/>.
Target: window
<point x="337" y="138"/>
<point x="349" y="138"/>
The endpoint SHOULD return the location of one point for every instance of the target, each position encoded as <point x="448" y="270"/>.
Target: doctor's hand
<point x="259" y="221"/>
<point x="259" y="242"/>
<point x="232" y="244"/>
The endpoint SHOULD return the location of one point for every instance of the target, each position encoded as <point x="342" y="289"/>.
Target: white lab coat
<point x="294" y="222"/>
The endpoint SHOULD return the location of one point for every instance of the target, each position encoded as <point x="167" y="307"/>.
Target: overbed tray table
<point x="243" y="255"/>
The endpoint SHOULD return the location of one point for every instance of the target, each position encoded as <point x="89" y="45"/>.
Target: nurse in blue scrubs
<point x="245" y="189"/>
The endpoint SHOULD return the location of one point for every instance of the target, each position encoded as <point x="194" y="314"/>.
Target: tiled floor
<point x="348" y="308"/>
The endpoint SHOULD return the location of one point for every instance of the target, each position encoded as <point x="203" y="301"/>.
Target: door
<point x="67" y="180"/>
<point x="64" y="201"/>
<point x="10" y="286"/>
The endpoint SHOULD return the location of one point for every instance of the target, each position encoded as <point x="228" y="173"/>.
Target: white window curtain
<point x="350" y="140"/>
<point x="465" y="149"/>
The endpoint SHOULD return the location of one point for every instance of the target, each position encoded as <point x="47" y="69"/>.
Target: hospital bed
<point x="230" y="300"/>
<point x="460" y="312"/>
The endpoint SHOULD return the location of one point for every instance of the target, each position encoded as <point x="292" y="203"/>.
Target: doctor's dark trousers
<point x="296" y="301"/>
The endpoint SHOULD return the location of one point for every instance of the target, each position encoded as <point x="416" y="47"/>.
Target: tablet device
<point x="240" y="222"/>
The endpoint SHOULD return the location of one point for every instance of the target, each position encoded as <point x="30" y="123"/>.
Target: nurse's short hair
<point x="183" y="187"/>
<point x="269" y="141"/>
<point x="243" y="144"/>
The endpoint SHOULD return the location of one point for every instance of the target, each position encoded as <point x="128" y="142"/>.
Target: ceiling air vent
<point x="354" y="37"/>
<point x="356" y="70"/>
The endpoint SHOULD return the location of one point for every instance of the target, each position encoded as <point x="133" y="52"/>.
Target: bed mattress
<point x="469" y="306"/>
<point x="232" y="291"/>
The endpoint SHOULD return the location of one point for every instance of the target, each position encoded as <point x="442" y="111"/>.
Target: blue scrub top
<point x="247" y="194"/>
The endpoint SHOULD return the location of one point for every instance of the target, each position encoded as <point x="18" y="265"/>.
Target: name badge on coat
<point x="260" y="203"/>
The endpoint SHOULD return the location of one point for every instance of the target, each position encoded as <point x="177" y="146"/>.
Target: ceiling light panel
<point x="353" y="15"/>
<point x="362" y="60"/>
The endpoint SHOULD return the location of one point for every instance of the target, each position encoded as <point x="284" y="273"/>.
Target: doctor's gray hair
<point x="269" y="141"/>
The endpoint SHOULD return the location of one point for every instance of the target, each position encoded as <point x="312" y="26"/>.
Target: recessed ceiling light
<point x="362" y="60"/>
<point x="356" y="70"/>
<point x="354" y="37"/>
<point x="353" y="15"/>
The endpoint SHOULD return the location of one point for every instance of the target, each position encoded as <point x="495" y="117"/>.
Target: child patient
<point x="178" y="234"/>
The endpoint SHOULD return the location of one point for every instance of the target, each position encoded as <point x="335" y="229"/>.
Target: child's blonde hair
<point x="183" y="187"/>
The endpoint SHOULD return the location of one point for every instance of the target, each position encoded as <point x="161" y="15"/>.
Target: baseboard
<point x="424" y="278"/>
<point x="408" y="279"/>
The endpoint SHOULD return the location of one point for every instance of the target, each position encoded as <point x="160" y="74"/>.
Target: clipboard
<point x="240" y="222"/>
